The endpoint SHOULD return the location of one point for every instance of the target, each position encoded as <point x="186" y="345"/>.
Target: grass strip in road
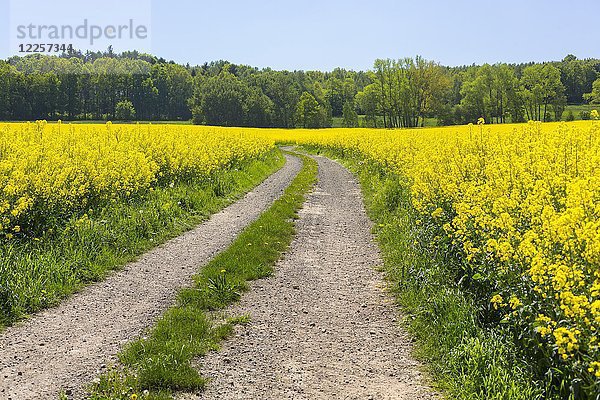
<point x="157" y="366"/>
<point x="467" y="360"/>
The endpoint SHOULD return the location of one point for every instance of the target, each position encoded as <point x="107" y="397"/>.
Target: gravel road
<point x="64" y="347"/>
<point x="323" y="327"/>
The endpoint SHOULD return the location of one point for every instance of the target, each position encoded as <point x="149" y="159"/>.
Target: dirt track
<point x="323" y="326"/>
<point x="63" y="348"/>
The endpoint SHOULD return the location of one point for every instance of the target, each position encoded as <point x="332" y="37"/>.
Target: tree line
<point x="395" y="93"/>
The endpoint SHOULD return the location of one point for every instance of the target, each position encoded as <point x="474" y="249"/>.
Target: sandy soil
<point x="323" y="327"/>
<point x="65" y="347"/>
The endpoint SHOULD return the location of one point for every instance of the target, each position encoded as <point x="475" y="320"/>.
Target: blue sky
<point x="310" y="34"/>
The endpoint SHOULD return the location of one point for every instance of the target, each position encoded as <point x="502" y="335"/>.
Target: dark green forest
<point x="132" y="86"/>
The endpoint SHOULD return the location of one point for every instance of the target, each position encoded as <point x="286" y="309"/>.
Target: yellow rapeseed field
<point x="521" y="204"/>
<point x="53" y="169"/>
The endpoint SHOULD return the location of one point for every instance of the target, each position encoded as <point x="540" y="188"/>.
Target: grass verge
<point x="36" y="274"/>
<point x="157" y="366"/>
<point x="465" y="359"/>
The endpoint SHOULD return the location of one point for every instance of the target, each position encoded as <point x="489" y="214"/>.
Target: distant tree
<point x="594" y="96"/>
<point x="284" y="91"/>
<point x="559" y="105"/>
<point x="309" y="113"/>
<point x="174" y="84"/>
<point x="541" y="88"/>
<point x="349" y="89"/>
<point x="395" y="93"/>
<point x="335" y="96"/>
<point x="478" y="94"/>
<point x="5" y="80"/>
<point x="219" y="100"/>
<point x="577" y="77"/>
<point x="146" y="99"/>
<point x="258" y="109"/>
<point x="124" y="111"/>
<point x="508" y="100"/>
<point x="409" y="90"/>
<point x="350" y="115"/>
<point x="368" y="101"/>
<point x="491" y="92"/>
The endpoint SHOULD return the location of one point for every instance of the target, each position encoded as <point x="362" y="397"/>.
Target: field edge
<point x="462" y="360"/>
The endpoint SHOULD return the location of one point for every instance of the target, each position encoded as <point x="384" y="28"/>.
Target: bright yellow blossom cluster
<point x="53" y="169"/>
<point x="566" y="341"/>
<point x="595" y="368"/>
<point x="497" y="301"/>
<point x="522" y="201"/>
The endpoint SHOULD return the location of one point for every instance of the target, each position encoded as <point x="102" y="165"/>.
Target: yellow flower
<point x="437" y="213"/>
<point x="515" y="302"/>
<point x="595" y="368"/>
<point x="566" y="340"/>
<point x="497" y="301"/>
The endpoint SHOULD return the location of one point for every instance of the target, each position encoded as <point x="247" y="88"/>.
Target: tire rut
<point x="323" y="327"/>
<point x="64" y="348"/>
